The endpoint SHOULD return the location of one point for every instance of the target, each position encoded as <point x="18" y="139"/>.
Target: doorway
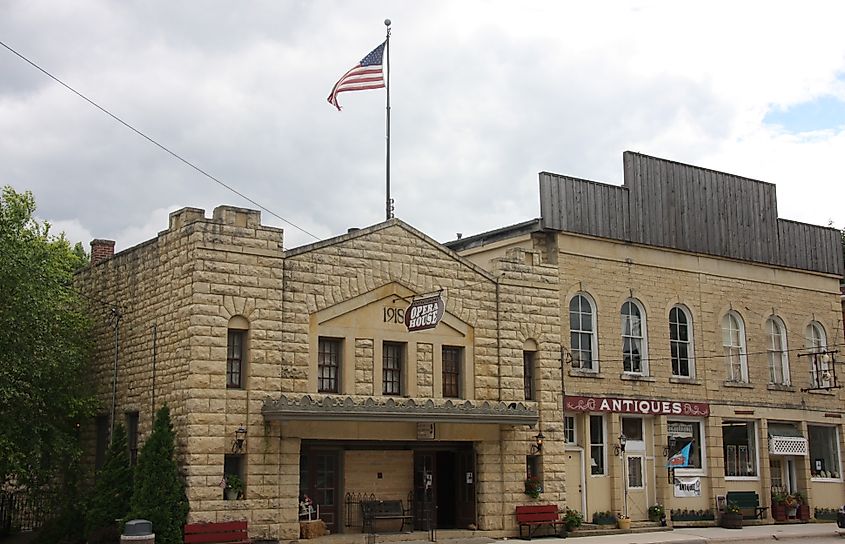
<point x="319" y="478"/>
<point x="444" y="489"/>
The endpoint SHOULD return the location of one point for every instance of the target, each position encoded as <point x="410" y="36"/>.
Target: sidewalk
<point x="704" y="535"/>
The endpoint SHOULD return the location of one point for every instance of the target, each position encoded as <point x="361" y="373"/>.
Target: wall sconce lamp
<point x="240" y="438"/>
<point x="619" y="448"/>
<point x="537" y="446"/>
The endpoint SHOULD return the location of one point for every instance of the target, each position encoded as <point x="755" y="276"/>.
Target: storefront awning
<point x="786" y="439"/>
<point x="348" y="408"/>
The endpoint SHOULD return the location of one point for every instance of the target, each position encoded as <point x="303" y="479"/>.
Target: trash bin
<point x="138" y="531"/>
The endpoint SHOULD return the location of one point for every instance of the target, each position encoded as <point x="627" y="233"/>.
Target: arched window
<point x="733" y="341"/>
<point x="776" y="351"/>
<point x="633" y="338"/>
<point x="236" y="352"/>
<point x="680" y="342"/>
<point x="816" y="342"/>
<point x="582" y="332"/>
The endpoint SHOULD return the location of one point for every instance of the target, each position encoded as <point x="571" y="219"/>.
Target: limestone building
<point x="691" y="315"/>
<point x="306" y="350"/>
<point x="676" y="310"/>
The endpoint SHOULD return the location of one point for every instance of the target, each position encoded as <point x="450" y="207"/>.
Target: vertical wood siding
<point x="669" y="204"/>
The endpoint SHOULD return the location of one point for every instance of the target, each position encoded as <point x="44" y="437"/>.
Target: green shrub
<point x="113" y="487"/>
<point x="159" y="491"/>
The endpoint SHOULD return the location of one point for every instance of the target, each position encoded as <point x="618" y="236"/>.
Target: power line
<point x="154" y="142"/>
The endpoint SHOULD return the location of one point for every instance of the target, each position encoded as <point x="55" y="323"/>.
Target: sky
<point x="484" y="96"/>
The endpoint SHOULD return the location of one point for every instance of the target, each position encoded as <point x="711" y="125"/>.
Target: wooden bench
<point x="227" y="532"/>
<point x="389" y="510"/>
<point x="748" y="503"/>
<point x="535" y="516"/>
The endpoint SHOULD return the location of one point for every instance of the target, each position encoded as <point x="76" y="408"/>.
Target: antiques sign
<point x="688" y="487"/>
<point x="424" y="313"/>
<point x="635" y="406"/>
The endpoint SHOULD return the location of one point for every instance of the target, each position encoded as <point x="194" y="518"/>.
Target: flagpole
<point x="389" y="201"/>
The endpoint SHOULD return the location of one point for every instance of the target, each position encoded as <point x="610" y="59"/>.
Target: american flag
<point x="367" y="74"/>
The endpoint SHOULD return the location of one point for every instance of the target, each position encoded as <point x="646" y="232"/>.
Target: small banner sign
<point x="635" y="406"/>
<point x="424" y="313"/>
<point x="688" y="487"/>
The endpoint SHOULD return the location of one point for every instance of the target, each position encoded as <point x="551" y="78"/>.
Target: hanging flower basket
<point x="533" y="487"/>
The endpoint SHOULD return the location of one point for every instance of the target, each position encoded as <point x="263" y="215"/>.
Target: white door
<point x="574" y="481"/>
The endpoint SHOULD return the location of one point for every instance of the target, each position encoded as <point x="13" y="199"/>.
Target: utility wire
<point x="152" y="141"/>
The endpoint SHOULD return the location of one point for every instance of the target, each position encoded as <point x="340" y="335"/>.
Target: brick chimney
<point x="101" y="250"/>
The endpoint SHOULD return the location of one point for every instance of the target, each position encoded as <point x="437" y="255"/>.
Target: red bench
<point x="227" y="532"/>
<point x="536" y="516"/>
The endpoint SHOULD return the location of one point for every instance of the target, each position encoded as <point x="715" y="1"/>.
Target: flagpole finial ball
<point x="387" y="22"/>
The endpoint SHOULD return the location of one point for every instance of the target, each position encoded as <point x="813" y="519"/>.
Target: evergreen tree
<point x="113" y="488"/>
<point x="159" y="490"/>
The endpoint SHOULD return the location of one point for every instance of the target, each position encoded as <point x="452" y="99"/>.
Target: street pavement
<point x="706" y="535"/>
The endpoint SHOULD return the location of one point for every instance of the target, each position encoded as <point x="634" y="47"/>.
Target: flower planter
<point x="731" y="520"/>
<point x="804" y="512"/>
<point x="779" y="512"/>
<point x="624" y="524"/>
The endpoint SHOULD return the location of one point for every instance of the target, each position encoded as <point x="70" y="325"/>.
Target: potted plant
<point x="732" y="516"/>
<point x="572" y="519"/>
<point x="533" y="487"/>
<point x="779" y="511"/>
<point x="623" y="522"/>
<point x="803" y="509"/>
<point x="656" y="513"/>
<point x="233" y="487"/>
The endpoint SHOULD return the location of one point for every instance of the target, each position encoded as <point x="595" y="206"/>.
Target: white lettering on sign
<point x="424" y="313"/>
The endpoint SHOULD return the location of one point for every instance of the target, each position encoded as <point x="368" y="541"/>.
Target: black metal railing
<point x="21" y="512"/>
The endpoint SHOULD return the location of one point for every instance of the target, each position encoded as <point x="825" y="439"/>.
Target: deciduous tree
<point x="44" y="342"/>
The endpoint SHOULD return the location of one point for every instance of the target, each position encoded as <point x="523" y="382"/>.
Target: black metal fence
<point x="352" y="508"/>
<point x="21" y="512"/>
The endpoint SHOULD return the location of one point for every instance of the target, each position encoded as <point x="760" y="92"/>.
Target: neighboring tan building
<point x="307" y="351"/>
<point x="691" y="315"/>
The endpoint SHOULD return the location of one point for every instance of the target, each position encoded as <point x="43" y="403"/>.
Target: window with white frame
<point x="816" y="342"/>
<point x="681" y="433"/>
<point x="569" y="432"/>
<point x="680" y="342"/>
<point x="740" y="448"/>
<point x="733" y="341"/>
<point x="635" y="472"/>
<point x="582" y="332"/>
<point x="597" y="446"/>
<point x="824" y="451"/>
<point x="633" y="338"/>
<point x="776" y="351"/>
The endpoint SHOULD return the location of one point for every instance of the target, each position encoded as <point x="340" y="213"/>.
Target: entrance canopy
<point x="348" y="408"/>
<point x="786" y="439"/>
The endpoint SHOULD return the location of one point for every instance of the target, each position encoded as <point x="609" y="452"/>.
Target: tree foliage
<point x="113" y="487"/>
<point x="44" y="341"/>
<point x="159" y="491"/>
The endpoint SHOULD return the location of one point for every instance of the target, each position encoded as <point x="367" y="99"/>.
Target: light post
<point x="622" y="441"/>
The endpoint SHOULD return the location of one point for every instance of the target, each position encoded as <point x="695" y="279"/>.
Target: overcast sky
<point x="484" y="96"/>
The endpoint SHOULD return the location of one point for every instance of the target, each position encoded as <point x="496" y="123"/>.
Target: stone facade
<point x="180" y="295"/>
<point x="608" y="274"/>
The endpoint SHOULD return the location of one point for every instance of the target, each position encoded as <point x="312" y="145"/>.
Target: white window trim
<point x="604" y="444"/>
<point x="777" y="323"/>
<point x="838" y="454"/>
<point x="644" y="338"/>
<point x="594" y="343"/>
<point x="702" y="448"/>
<point x="690" y="343"/>
<point x="574" y="442"/>
<point x="810" y="345"/>
<point x="756" y="455"/>
<point x="743" y="347"/>
<point x="642" y="458"/>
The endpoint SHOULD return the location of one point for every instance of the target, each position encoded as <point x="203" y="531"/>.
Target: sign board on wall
<point x="687" y="487"/>
<point x="635" y="406"/>
<point x="424" y="313"/>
